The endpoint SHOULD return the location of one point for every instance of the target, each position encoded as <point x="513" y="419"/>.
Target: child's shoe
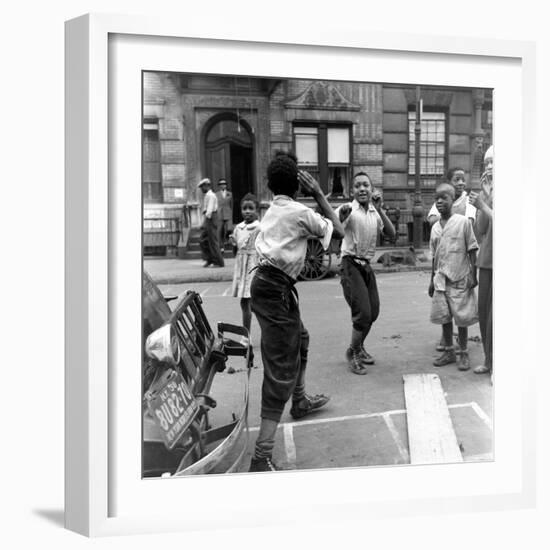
<point x="308" y="404"/>
<point x="368" y="359"/>
<point x="482" y="369"/>
<point x="464" y="362"/>
<point x="355" y="362"/>
<point x="262" y="465"/>
<point x="446" y="358"/>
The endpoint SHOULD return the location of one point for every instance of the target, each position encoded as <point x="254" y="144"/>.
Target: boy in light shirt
<point x="281" y="246"/>
<point x="453" y="247"/>
<point x="363" y="220"/>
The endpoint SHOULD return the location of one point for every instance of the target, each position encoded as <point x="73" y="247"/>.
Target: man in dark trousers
<point x="225" y="211"/>
<point x="209" y="244"/>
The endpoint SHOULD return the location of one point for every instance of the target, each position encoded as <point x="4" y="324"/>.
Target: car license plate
<point x="173" y="407"/>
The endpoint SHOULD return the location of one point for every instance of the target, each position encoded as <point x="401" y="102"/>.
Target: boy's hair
<point x="451" y="172"/>
<point x="249" y="197"/>
<point x="362" y="173"/>
<point x="442" y="187"/>
<point x="282" y="174"/>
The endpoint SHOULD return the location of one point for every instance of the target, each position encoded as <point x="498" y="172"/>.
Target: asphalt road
<point x="364" y="424"/>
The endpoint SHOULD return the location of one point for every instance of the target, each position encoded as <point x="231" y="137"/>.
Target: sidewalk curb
<point x="225" y="277"/>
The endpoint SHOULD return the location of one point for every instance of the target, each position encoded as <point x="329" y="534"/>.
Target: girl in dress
<point x="243" y="239"/>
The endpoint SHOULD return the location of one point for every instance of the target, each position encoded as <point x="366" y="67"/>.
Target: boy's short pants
<point x="457" y="302"/>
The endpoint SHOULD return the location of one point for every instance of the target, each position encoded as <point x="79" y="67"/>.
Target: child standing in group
<point x="461" y="205"/>
<point x="281" y="245"/>
<point x="244" y="238"/>
<point x="453" y="247"/>
<point x="363" y="220"/>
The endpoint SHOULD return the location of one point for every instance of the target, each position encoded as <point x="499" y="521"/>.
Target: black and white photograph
<point x="317" y="274"/>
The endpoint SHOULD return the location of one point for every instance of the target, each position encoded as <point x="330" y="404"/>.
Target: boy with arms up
<point x="453" y="247"/>
<point x="281" y="246"/>
<point x="363" y="220"/>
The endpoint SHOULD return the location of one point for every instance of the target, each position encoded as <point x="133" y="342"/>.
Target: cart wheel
<point x="317" y="263"/>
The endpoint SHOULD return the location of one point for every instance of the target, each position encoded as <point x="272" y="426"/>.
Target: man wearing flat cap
<point x="209" y="244"/>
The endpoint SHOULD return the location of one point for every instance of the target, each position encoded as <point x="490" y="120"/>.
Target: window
<point x="324" y="151"/>
<point x="152" y="180"/>
<point x="433" y="139"/>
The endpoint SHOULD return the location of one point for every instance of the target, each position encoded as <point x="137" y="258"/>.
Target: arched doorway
<point x="228" y="147"/>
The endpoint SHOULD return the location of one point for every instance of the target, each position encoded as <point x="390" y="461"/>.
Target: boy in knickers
<point x="281" y="247"/>
<point x="454" y="248"/>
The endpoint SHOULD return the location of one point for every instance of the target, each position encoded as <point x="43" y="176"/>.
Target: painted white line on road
<point x="354" y="417"/>
<point x="336" y="419"/>
<point x="203" y="293"/>
<point x="290" y="447"/>
<point x="481" y="413"/>
<point x="227" y="291"/>
<point x="395" y="435"/>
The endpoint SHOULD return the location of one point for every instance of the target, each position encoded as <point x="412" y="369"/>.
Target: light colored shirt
<point x="284" y="230"/>
<point x="449" y="246"/>
<point x="244" y="236"/>
<point x="460" y="206"/>
<point x="361" y="229"/>
<point x="210" y="203"/>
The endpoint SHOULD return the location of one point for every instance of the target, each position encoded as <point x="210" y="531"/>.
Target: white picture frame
<point x="103" y="53"/>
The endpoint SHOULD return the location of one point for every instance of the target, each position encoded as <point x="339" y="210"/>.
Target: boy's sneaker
<point x="355" y="362"/>
<point x="464" y="361"/>
<point x="482" y="369"/>
<point x="368" y="359"/>
<point x="262" y="465"/>
<point x="446" y="358"/>
<point x="308" y="404"/>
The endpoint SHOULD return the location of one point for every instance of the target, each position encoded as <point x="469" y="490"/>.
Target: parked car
<point x="182" y="356"/>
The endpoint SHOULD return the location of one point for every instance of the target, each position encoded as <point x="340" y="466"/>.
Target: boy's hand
<point x="486" y="182"/>
<point x="376" y="199"/>
<point x="308" y="184"/>
<point x="473" y="279"/>
<point x="344" y="212"/>
<point x="476" y="200"/>
<point x="431" y="289"/>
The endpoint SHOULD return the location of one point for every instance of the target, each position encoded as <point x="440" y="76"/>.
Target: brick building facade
<point x="197" y="126"/>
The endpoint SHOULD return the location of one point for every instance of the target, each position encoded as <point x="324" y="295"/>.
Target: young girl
<point x="243" y="238"/>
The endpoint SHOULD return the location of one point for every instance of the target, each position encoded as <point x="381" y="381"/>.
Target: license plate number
<point x="173" y="408"/>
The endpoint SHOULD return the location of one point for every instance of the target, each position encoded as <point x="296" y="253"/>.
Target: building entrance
<point x="228" y="148"/>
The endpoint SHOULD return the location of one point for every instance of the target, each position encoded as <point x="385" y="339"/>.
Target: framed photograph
<point x="172" y="132"/>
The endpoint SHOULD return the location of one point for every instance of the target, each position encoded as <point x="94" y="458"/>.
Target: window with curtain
<point x="324" y="151"/>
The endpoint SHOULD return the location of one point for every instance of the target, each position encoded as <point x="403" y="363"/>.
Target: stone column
<point x="478" y="96"/>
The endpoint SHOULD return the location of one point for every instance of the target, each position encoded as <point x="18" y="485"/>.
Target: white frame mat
<point x="105" y="494"/>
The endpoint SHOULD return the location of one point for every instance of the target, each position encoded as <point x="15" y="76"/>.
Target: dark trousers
<point x="208" y="241"/>
<point x="284" y="340"/>
<point x="485" y="311"/>
<point x="361" y="293"/>
<point x="223" y="231"/>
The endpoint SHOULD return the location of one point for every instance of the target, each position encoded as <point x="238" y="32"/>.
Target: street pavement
<point x="175" y="270"/>
<point x="364" y="424"/>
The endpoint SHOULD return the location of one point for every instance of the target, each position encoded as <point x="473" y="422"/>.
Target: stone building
<point x="197" y="126"/>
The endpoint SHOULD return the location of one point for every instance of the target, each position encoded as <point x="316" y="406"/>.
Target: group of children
<point x="270" y="255"/>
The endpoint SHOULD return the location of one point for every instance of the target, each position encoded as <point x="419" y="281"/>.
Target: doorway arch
<point x="228" y="152"/>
